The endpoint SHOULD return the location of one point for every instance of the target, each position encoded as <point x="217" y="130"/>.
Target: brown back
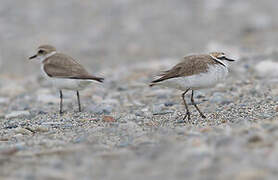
<point x="190" y="65"/>
<point x="63" y="66"/>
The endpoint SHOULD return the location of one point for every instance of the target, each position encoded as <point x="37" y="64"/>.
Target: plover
<point x="64" y="72"/>
<point x="193" y="73"/>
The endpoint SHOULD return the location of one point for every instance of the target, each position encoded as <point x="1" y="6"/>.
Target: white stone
<point x="15" y="114"/>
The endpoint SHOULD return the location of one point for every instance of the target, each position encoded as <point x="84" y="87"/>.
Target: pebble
<point x="108" y="119"/>
<point x="265" y="115"/>
<point x="218" y="97"/>
<point x="16" y="114"/>
<point x="51" y="123"/>
<point x="40" y="128"/>
<point x="169" y="104"/>
<point x="11" y="126"/>
<point x="100" y="109"/>
<point x="255" y="139"/>
<point x="157" y="108"/>
<point x="23" y="131"/>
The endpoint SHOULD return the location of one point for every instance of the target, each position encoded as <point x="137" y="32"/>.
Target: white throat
<point x="218" y="60"/>
<point x="42" y="58"/>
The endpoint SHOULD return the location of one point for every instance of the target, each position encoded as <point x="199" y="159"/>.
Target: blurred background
<point x="107" y="33"/>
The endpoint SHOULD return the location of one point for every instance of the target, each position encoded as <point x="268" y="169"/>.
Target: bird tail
<point x="99" y="79"/>
<point x="152" y="84"/>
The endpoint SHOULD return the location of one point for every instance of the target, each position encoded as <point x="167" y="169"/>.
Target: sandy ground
<point x="128" y="130"/>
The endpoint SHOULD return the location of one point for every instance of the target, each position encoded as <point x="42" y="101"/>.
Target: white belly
<point x="215" y="74"/>
<point x="70" y="84"/>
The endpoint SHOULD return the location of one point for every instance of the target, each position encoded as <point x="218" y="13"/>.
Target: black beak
<point x="32" y="57"/>
<point x="229" y="59"/>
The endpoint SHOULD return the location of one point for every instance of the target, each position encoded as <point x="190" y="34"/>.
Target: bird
<point x="195" y="72"/>
<point x="63" y="71"/>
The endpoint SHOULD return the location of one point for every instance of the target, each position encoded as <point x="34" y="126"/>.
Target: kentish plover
<point x="63" y="71"/>
<point x="193" y="73"/>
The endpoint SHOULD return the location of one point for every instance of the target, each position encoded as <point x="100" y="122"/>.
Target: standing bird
<point x="63" y="71"/>
<point x="193" y="73"/>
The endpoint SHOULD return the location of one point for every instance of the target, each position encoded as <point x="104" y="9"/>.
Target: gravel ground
<point x="128" y="130"/>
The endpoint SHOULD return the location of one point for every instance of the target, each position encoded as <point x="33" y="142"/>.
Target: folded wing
<point x="189" y="66"/>
<point x="62" y="66"/>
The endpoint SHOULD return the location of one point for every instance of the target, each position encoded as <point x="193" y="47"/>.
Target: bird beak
<point x="32" y="57"/>
<point x="229" y="59"/>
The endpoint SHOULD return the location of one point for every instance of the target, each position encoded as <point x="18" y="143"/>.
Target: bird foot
<point x="203" y="116"/>
<point x="187" y="116"/>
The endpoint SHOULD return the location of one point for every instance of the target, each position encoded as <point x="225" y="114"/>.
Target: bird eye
<point x="40" y="51"/>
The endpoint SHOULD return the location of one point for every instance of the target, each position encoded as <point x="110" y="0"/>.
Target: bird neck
<point x="48" y="55"/>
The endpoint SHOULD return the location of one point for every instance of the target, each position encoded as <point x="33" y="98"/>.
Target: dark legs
<point x="192" y="100"/>
<point x="78" y="100"/>
<point x="61" y="102"/>
<point x="186" y="107"/>
<point x="187" y="115"/>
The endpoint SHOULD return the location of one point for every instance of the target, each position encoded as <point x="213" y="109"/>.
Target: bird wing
<point x="63" y="66"/>
<point x="189" y="66"/>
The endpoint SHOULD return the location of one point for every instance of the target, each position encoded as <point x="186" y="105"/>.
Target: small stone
<point x="108" y="119"/>
<point x="218" y="97"/>
<point x="100" y="109"/>
<point x="167" y="104"/>
<point x="255" y="139"/>
<point x="199" y="94"/>
<point x="40" y="129"/>
<point x="157" y="108"/>
<point x="265" y="115"/>
<point x="51" y="123"/>
<point x="15" y="114"/>
<point x="11" y="126"/>
<point x="139" y="113"/>
<point x="23" y="131"/>
<point x="181" y="121"/>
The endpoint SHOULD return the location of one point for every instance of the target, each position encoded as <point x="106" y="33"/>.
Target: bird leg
<point x="187" y="115"/>
<point x="78" y="100"/>
<point x="61" y="102"/>
<point x="192" y="101"/>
